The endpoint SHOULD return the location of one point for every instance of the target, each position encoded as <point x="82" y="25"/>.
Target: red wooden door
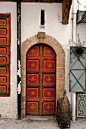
<point x="40" y="83"/>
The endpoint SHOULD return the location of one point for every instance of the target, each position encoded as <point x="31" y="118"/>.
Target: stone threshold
<point x="40" y="117"/>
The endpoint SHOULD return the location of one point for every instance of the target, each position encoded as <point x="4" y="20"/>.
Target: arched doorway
<point x="41" y="38"/>
<point x="40" y="80"/>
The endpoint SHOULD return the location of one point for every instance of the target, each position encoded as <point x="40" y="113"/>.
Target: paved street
<point x="28" y="123"/>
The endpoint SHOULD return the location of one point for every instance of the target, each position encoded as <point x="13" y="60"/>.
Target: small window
<point x="42" y="18"/>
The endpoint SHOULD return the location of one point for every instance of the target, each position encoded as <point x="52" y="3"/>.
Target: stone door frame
<point x="60" y="65"/>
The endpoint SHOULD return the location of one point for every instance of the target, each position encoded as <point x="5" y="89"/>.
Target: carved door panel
<point x="5" y="38"/>
<point x="40" y="84"/>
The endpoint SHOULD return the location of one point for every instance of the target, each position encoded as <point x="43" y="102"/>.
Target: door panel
<point x="48" y="52"/>
<point x="49" y="65"/>
<point x="32" y="92"/>
<point x="34" y="51"/>
<point x="49" y="93"/>
<point x="40" y="74"/>
<point x="48" y="79"/>
<point x="33" y="65"/>
<point x="32" y="107"/>
<point x="48" y="107"/>
<point x="33" y="79"/>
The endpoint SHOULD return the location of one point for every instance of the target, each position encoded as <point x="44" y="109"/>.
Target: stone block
<point x="60" y="73"/>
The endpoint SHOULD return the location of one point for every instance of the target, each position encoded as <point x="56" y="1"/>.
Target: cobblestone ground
<point x="38" y="124"/>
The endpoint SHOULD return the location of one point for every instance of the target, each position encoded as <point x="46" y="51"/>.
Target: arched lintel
<point x="46" y="40"/>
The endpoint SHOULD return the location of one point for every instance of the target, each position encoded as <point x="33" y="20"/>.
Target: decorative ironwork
<point x="83" y="17"/>
<point x="77" y="69"/>
<point x="81" y="12"/>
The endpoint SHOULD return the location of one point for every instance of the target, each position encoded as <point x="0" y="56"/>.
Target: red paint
<point x="32" y="65"/>
<point x="3" y="89"/>
<point x="3" y="60"/>
<point x="5" y="39"/>
<point x="49" y="79"/>
<point x="32" y="79"/>
<point x="48" y="107"/>
<point x="3" y="79"/>
<point x="32" y="92"/>
<point x="40" y="83"/>
<point x="32" y="106"/>
<point x="49" y="65"/>
<point x="49" y="93"/>
<point x="3" y="70"/>
<point x="34" y="51"/>
<point x="3" y="31"/>
<point x="3" y="22"/>
<point x="3" y="51"/>
<point x="48" y="52"/>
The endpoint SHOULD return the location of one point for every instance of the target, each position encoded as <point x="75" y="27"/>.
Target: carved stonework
<point x="41" y="36"/>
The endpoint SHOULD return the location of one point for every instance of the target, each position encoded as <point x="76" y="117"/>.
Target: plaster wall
<point x="8" y="105"/>
<point x="30" y="26"/>
<point x="81" y="30"/>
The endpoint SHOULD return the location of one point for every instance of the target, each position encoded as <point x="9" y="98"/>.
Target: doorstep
<point x="41" y="117"/>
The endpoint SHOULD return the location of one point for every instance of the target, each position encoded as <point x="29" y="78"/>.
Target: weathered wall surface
<point x="30" y="21"/>
<point x="81" y="30"/>
<point x="30" y="26"/>
<point x="8" y="105"/>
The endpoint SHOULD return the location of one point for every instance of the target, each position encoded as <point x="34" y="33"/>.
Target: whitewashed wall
<point x="81" y="30"/>
<point x="30" y="26"/>
<point x="30" y="21"/>
<point x="8" y="105"/>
